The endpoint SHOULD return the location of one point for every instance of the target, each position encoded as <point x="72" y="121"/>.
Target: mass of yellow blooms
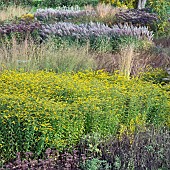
<point x="44" y="109"/>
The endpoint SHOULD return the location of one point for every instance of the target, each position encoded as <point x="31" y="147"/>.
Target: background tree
<point x="141" y="4"/>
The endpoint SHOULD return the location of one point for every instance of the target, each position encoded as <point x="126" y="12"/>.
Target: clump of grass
<point x="29" y="56"/>
<point x="106" y="10"/>
<point x="126" y="60"/>
<point x="11" y="12"/>
<point x="131" y="61"/>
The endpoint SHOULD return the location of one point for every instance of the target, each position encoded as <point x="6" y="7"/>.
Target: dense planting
<point x="21" y="27"/>
<point x="93" y="152"/>
<point x="43" y="110"/>
<point x="135" y="16"/>
<point x="84" y="86"/>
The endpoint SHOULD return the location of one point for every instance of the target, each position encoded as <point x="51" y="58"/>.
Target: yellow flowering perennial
<point x="43" y="109"/>
<point x="27" y="17"/>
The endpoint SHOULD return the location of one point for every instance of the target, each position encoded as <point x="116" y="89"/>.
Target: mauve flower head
<point x="92" y="29"/>
<point x="61" y="13"/>
<point x="28" y="154"/>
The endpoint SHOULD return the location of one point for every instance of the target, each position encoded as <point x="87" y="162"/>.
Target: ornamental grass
<point x="11" y="12"/>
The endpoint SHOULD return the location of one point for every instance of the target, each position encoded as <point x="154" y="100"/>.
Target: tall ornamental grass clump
<point x="11" y="12"/>
<point x="43" y="109"/>
<point x="55" y="55"/>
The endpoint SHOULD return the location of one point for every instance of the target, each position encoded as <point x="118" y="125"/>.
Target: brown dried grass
<point x="164" y="42"/>
<point x="104" y="10"/>
<point x="30" y="56"/>
<point x="11" y="12"/>
<point x="132" y="62"/>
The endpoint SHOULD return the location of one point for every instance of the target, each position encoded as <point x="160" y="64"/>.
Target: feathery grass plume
<point x="126" y="60"/>
<point x="142" y="59"/>
<point x="141" y="32"/>
<point x="105" y="10"/>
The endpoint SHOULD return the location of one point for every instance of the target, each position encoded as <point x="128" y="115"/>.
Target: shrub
<point x="15" y="2"/>
<point x="154" y="75"/>
<point x="43" y="109"/>
<point x="22" y="26"/>
<point x="162" y="27"/>
<point x="137" y="17"/>
<point x="53" y="3"/>
<point x="21" y="30"/>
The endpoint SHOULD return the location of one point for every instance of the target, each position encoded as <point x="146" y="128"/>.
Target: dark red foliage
<point x="21" y="27"/>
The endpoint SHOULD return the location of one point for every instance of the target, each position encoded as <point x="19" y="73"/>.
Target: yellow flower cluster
<point x="125" y="4"/>
<point x="27" y="17"/>
<point x="44" y="109"/>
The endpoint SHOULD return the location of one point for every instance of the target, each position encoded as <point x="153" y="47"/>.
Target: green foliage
<point x="122" y="3"/>
<point x="70" y="3"/>
<point x="15" y="2"/>
<point x="92" y="141"/>
<point x="48" y="3"/>
<point x="161" y="7"/>
<point x="95" y="164"/>
<point x="42" y="109"/>
<point x="154" y="75"/>
<point x="104" y="43"/>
